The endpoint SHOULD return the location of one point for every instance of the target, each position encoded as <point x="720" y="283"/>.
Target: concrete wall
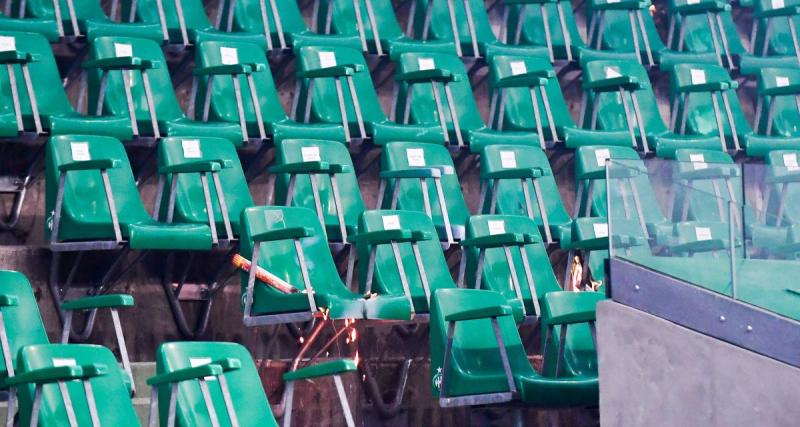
<point x="656" y="373"/>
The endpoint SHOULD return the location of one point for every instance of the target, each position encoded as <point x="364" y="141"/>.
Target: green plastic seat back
<point x="247" y="17"/>
<point x="786" y="116"/>
<point x="532" y="27"/>
<point x="591" y="160"/>
<point x="324" y="100"/>
<point x="246" y="391"/>
<point x="510" y="198"/>
<point x="343" y="19"/>
<point x="705" y="196"/>
<point x="611" y="111"/>
<point x="442" y="29"/>
<point x="386" y="278"/>
<point x="194" y="15"/>
<point x="408" y="155"/>
<point x="518" y="109"/>
<point x="475" y="366"/>
<point x="112" y="397"/>
<point x="698" y="38"/>
<point x="616" y="30"/>
<point x="190" y="203"/>
<point x="423" y="103"/>
<point x="700" y="118"/>
<point x="166" y="104"/>
<point x="780" y="35"/>
<point x="223" y="101"/>
<point x="697" y="231"/>
<point x="780" y="163"/>
<point x="23" y="323"/>
<point x="496" y="273"/>
<point x="85" y="214"/>
<point x="296" y="151"/>
<point x="280" y="258"/>
<point x="84" y="10"/>
<point x="45" y="79"/>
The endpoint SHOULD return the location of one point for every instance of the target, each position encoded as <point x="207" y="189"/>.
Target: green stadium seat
<point x="706" y="182"/>
<point x="704" y="26"/>
<point x="465" y="23"/>
<point x="778" y="92"/>
<point x="369" y="22"/>
<point x="751" y="65"/>
<point x="232" y="394"/>
<point x="77" y="18"/>
<point x="506" y="168"/>
<point x="281" y="19"/>
<point x="774" y="30"/>
<point x="624" y="26"/>
<point x="523" y="23"/>
<point x="781" y="189"/>
<point x="92" y="204"/>
<point x="696" y="91"/>
<point x="704" y="240"/>
<point x="72" y="385"/>
<point x="477" y="356"/>
<point x="142" y="90"/>
<point x="423" y="78"/>
<point x="525" y="95"/>
<point x="417" y="176"/>
<point x="608" y="85"/>
<point x="400" y="257"/>
<point x="185" y="22"/>
<point x="223" y="68"/>
<point x="46" y="27"/>
<point x="281" y="239"/>
<point x="335" y="87"/>
<point x="21" y="327"/>
<point x="320" y="175"/>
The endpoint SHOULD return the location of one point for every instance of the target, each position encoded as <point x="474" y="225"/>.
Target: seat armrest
<point x="283" y="234"/>
<point x="786" y="178"/>
<point x="185" y="374"/>
<point x="702" y="7"/>
<point x="228" y="364"/>
<point x="519" y="173"/>
<point x="499" y="240"/>
<point x="99" y="301"/>
<point x="221" y="70"/>
<point x="336" y="71"/>
<point x="83" y="165"/>
<point x="700" y="246"/>
<point x="792" y="89"/>
<point x="620" y="5"/>
<point x="191" y="167"/>
<point x="526" y="80"/>
<point x="17" y="57"/>
<point x="7" y="300"/>
<point x="613" y="83"/>
<point x="704" y="87"/>
<point x="425" y="76"/>
<point x="520" y="2"/>
<point x="381" y="237"/>
<point x="310" y="167"/>
<point x="478" y="312"/>
<point x="119" y="63"/>
<point x="412" y="173"/>
<point x="593" y="244"/>
<point x="323" y="369"/>
<point x="57" y="373"/>
<point x="787" y="11"/>
<point x="711" y="173"/>
<point x="566" y="308"/>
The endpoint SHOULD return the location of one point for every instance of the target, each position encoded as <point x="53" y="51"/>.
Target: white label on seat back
<point x="415" y="156"/>
<point x="601" y="156"/>
<point x="327" y="59"/>
<point x="612" y="1"/>
<point x="7" y="43"/>
<point x="692" y="1"/>
<point x="600" y="230"/>
<point x="391" y="222"/>
<point x="229" y="55"/>
<point x="191" y="149"/>
<point x="518" y="67"/>
<point x="777" y="4"/>
<point x="698" y="76"/>
<point x="122" y="50"/>
<point x="698" y="161"/>
<point x="57" y="362"/>
<point x="310" y="154"/>
<point x="781" y="81"/>
<point x="201" y="361"/>
<point x="508" y="159"/>
<point x="496" y="227"/>
<point x="790" y="161"/>
<point x="612" y="72"/>
<point x="426" y="64"/>
<point x="702" y="233"/>
<point x="80" y="151"/>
